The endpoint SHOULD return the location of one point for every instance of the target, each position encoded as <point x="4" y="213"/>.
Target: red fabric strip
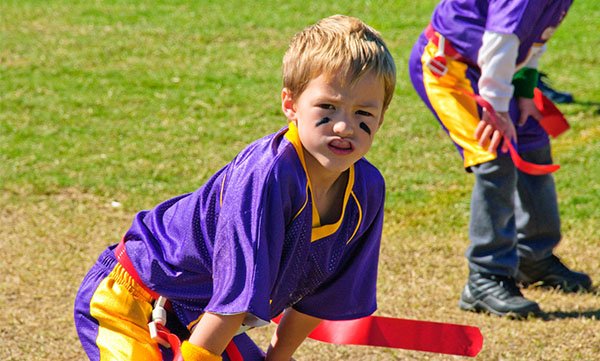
<point x="444" y="338"/>
<point x="125" y="261"/>
<point x="233" y="352"/>
<point x="449" y="50"/>
<point x="172" y="339"/>
<point x="553" y="121"/>
<point x="521" y="164"/>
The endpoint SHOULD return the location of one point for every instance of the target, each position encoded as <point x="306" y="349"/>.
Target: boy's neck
<point x="328" y="184"/>
<point x="321" y="179"/>
<point x="328" y="196"/>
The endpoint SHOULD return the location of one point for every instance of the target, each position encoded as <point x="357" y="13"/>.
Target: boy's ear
<point x="288" y="105"/>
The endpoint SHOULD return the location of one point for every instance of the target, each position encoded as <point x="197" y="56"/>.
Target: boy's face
<point x="336" y="124"/>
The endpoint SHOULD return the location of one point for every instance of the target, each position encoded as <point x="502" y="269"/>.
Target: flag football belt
<point x="157" y="326"/>
<point x="369" y="331"/>
<point x="553" y="122"/>
<point x="438" y="63"/>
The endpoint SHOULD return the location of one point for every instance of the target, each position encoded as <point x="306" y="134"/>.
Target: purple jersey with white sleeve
<point x="463" y="22"/>
<point x="245" y="241"/>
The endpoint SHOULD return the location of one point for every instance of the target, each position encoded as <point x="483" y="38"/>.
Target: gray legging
<point x="513" y="215"/>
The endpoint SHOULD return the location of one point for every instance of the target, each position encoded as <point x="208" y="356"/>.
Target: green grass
<point x="136" y="102"/>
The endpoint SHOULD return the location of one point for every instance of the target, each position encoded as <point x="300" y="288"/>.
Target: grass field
<point x="108" y="107"/>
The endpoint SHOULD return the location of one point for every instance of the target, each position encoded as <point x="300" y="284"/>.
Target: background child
<point x="492" y="48"/>
<point x="293" y="222"/>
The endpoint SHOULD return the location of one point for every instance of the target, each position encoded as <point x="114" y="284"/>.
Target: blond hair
<point x="338" y="44"/>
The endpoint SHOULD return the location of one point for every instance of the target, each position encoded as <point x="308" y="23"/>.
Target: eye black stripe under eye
<point x="323" y="120"/>
<point x="365" y="127"/>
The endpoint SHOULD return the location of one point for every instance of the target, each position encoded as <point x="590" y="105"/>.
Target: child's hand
<point x="490" y="130"/>
<point x="528" y="109"/>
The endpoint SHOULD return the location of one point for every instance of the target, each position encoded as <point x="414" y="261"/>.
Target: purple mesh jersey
<point x="463" y="22"/>
<point x="245" y="242"/>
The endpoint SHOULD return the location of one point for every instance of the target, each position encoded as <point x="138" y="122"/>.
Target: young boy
<point x="291" y="225"/>
<point x="492" y="47"/>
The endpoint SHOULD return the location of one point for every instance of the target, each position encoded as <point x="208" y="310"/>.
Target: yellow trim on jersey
<point x="457" y="111"/>
<point x="359" y="218"/>
<point x="305" y="202"/>
<point x="192" y="324"/>
<point x="319" y="231"/>
<point x="329" y="229"/>
<point x="222" y="189"/>
<point x="292" y="136"/>
<point x="316" y="217"/>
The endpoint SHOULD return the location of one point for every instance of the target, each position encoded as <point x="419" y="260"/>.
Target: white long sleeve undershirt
<point x="497" y="61"/>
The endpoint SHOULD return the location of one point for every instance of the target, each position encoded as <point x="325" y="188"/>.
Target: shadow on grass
<point x="591" y="104"/>
<point x="561" y="315"/>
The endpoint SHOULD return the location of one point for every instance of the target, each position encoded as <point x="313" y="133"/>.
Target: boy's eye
<point x="364" y="113"/>
<point x="326" y="106"/>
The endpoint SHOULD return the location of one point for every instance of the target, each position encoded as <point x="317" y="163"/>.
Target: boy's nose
<point x="342" y="127"/>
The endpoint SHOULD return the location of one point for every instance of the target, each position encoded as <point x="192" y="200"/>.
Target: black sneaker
<point x="551" y="272"/>
<point x="498" y="295"/>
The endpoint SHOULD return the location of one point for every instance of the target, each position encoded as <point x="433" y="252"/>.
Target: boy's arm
<point x="291" y="332"/>
<point x="212" y="333"/>
<point x="496" y="59"/>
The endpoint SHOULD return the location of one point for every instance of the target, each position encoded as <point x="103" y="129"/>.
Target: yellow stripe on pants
<point x="457" y="111"/>
<point x="122" y="309"/>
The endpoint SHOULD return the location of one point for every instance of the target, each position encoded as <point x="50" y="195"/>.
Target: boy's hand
<point x="491" y="131"/>
<point x="528" y="109"/>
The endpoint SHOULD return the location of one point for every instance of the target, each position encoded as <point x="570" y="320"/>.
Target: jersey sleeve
<point x="511" y="17"/>
<point x="351" y="292"/>
<point x="253" y="216"/>
<point x="521" y="18"/>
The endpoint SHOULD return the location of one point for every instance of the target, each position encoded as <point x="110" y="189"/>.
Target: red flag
<point x="553" y="121"/>
<point x="445" y="338"/>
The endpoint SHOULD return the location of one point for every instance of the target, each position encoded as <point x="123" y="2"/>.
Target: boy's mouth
<point x="341" y="147"/>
